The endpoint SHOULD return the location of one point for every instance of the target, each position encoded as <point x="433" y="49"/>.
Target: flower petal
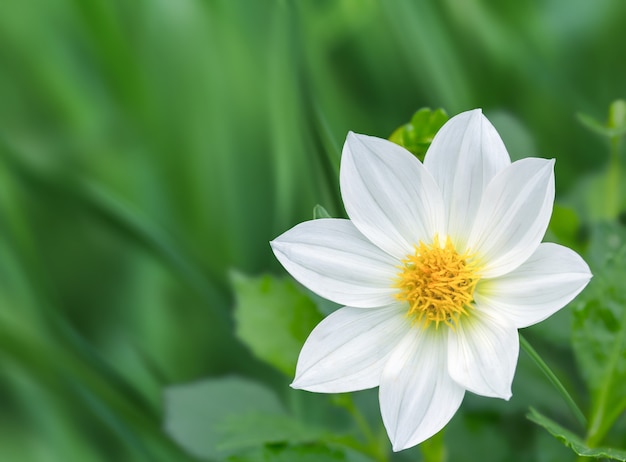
<point x="348" y="349"/>
<point x="482" y="354"/>
<point x="417" y="396"/>
<point x="464" y="156"/>
<point x="513" y="215"/>
<point x="333" y="259"/>
<point x="542" y="285"/>
<point x="389" y="195"/>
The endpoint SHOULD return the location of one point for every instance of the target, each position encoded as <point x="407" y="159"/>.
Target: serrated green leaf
<point x="417" y="135"/>
<point x="196" y="413"/>
<point x="574" y="441"/>
<point x="273" y="318"/>
<point x="599" y="328"/>
<point x="426" y="124"/>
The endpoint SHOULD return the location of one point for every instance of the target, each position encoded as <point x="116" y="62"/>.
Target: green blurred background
<point x="147" y="148"/>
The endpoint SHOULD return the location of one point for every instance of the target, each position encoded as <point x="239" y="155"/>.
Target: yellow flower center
<point x="438" y="284"/>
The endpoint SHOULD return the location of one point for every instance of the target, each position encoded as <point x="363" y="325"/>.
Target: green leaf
<point x="599" y="329"/>
<point x="320" y="212"/>
<point x="197" y="414"/>
<point x="574" y="441"/>
<point x="273" y="318"/>
<point x="417" y="135"/>
<point x="299" y="453"/>
<point x="251" y="430"/>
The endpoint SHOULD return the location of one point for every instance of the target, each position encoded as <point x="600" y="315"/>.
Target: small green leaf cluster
<point x="418" y="133"/>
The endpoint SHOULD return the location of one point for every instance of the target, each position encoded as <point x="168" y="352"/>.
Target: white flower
<point x="438" y="266"/>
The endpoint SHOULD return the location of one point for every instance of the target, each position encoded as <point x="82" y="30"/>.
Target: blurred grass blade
<point x="140" y="229"/>
<point x="133" y="225"/>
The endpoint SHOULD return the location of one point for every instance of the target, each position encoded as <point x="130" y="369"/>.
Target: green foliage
<point x="600" y="196"/>
<point x="598" y="127"/>
<point x="218" y="417"/>
<point x="273" y="318"/>
<point x="599" y="329"/>
<point x="147" y="148"/>
<point x="194" y="412"/>
<point x="606" y="198"/>
<point x="237" y="419"/>
<point x="301" y="453"/>
<point x="615" y="125"/>
<point x="253" y="430"/>
<point x="575" y="442"/>
<point x="417" y="134"/>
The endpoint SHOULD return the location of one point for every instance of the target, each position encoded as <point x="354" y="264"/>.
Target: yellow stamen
<point x="438" y="284"/>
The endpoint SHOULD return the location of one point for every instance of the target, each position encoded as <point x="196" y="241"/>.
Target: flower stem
<point x="554" y="380"/>
<point x="372" y="446"/>
<point x="613" y="180"/>
<point x="616" y="121"/>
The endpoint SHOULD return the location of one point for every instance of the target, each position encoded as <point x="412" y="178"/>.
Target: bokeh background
<point x="149" y="148"/>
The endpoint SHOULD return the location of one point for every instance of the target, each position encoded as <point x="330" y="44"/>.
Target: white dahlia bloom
<point x="438" y="266"/>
